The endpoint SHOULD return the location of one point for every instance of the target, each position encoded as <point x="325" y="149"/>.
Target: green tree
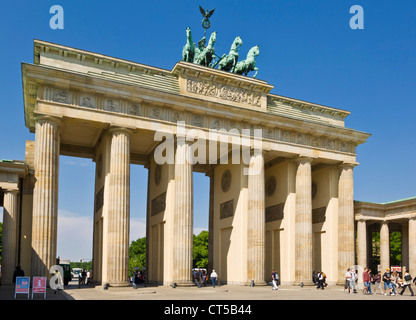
<point x="137" y="254"/>
<point x="200" y="254"/>
<point x="395" y="248"/>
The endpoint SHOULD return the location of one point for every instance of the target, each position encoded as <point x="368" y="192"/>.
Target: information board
<point x="39" y="286"/>
<point x="22" y="286"/>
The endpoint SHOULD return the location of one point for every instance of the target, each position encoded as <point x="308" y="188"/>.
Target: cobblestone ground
<point x="225" y="292"/>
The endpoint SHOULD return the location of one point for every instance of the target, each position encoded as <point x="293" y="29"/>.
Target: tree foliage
<point x="200" y="254"/>
<point x="137" y="252"/>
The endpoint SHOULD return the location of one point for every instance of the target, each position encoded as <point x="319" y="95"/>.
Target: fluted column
<point x="45" y="195"/>
<point x="362" y="243"/>
<point x="183" y="217"/>
<point x="303" y="222"/>
<point x="384" y="246"/>
<point x="412" y="246"/>
<point x="119" y="208"/>
<point x="346" y="237"/>
<point x="8" y="260"/>
<point x="256" y="224"/>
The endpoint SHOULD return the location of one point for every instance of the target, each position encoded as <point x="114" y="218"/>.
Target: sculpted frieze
<point x="164" y="113"/>
<point x="223" y="91"/>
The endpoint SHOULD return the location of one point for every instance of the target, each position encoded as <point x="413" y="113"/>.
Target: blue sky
<point x="307" y="51"/>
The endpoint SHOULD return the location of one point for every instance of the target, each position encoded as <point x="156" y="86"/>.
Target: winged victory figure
<point x="206" y="13"/>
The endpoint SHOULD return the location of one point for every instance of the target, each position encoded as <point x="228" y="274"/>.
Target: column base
<point x="305" y="283"/>
<point x="119" y="284"/>
<point x="256" y="284"/>
<point x="186" y="283"/>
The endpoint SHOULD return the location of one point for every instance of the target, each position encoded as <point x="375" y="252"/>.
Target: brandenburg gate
<point x="287" y="205"/>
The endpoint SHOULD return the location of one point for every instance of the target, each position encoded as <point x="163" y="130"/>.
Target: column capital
<point x="127" y="130"/>
<point x="348" y="165"/>
<point x="304" y="159"/>
<point x="39" y="118"/>
<point x="11" y="190"/>
<point x="362" y="219"/>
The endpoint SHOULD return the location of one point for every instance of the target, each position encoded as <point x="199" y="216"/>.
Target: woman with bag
<point x="407" y="282"/>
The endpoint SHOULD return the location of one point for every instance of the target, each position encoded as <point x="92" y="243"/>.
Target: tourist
<point x="407" y="282"/>
<point x="321" y="279"/>
<point x="394" y="282"/>
<point x="377" y="282"/>
<point x="348" y="284"/>
<point x="387" y="282"/>
<point x="314" y="277"/>
<point x="213" y="277"/>
<point x="275" y="277"/>
<point x="18" y="273"/>
<point x="204" y="278"/>
<point x="367" y="281"/>
<point x="354" y="278"/>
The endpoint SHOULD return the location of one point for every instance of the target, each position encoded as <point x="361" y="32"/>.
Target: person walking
<point x="348" y="277"/>
<point x="387" y="282"/>
<point x="213" y="277"/>
<point x="275" y="277"/>
<point x="377" y="282"/>
<point x="354" y="278"/>
<point x="321" y="279"/>
<point x="407" y="282"/>
<point x="394" y="282"/>
<point x="367" y="281"/>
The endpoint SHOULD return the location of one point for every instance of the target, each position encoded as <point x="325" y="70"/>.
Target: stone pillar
<point x="210" y="174"/>
<point x="45" y="195"/>
<point x="256" y="221"/>
<point x="384" y="246"/>
<point x="405" y="244"/>
<point x="346" y="236"/>
<point x="119" y="208"/>
<point x="183" y="217"/>
<point x="8" y="260"/>
<point x="303" y="223"/>
<point x="362" y="243"/>
<point x="412" y="246"/>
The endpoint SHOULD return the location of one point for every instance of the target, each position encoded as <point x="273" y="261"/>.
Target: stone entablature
<point x="163" y="112"/>
<point x="396" y="210"/>
<point x="186" y="79"/>
<point x="95" y="94"/>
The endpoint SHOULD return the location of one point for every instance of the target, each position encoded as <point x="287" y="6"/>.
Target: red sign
<point x="396" y="268"/>
<point x="39" y="285"/>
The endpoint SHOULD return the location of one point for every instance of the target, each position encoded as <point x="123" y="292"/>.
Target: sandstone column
<point x="384" y="247"/>
<point x="346" y="237"/>
<point x="211" y="175"/>
<point x="303" y="222"/>
<point x="412" y="246"/>
<point x="183" y="217"/>
<point x="8" y="260"/>
<point x="256" y="221"/>
<point x="119" y="208"/>
<point x="45" y="195"/>
<point x="405" y="244"/>
<point x="362" y="243"/>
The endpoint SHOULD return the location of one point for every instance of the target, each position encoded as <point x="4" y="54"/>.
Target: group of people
<point x="137" y="277"/>
<point x="201" y="277"/>
<point x="392" y="282"/>
<point x="84" y="277"/>
<point x="319" y="279"/>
